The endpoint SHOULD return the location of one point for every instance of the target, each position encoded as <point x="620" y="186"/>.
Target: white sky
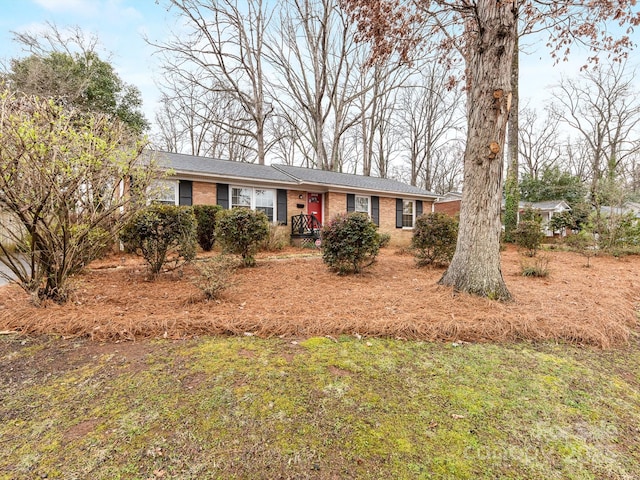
<point x="120" y="25"/>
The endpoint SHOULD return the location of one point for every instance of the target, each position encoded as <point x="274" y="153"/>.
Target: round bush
<point x="434" y="238"/>
<point x="350" y="242"/>
<point x="241" y="231"/>
<point x="158" y="231"/>
<point x="206" y="228"/>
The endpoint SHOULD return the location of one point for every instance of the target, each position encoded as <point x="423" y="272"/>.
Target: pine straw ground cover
<point x="294" y="295"/>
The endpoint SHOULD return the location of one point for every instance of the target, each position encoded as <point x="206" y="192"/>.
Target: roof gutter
<point x="191" y="175"/>
<point x="369" y="191"/>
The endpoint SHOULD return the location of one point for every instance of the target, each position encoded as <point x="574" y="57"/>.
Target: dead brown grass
<point x="297" y="296"/>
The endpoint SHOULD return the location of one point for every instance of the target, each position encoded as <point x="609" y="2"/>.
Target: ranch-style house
<point x="301" y="198"/>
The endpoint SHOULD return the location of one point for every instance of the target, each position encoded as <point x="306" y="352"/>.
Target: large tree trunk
<point x="475" y="267"/>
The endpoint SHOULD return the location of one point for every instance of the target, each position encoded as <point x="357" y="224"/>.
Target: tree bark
<point x="475" y="267"/>
<point x="512" y="188"/>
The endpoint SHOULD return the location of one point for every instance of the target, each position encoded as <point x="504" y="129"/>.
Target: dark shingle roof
<point x="190" y="164"/>
<point x="346" y="180"/>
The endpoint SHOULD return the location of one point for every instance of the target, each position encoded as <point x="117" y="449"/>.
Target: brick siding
<point x="293" y="200"/>
<point x="334" y="203"/>
<point x="450" y="208"/>
<point x="204" y="193"/>
<point x="388" y="216"/>
<point x="400" y="237"/>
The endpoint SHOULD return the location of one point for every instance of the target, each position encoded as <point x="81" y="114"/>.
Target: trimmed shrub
<point x="206" y="225"/>
<point x="215" y="275"/>
<point x="528" y="235"/>
<point x="277" y="239"/>
<point x="164" y="235"/>
<point x="350" y="242"/>
<point x="434" y="239"/>
<point x="241" y="231"/>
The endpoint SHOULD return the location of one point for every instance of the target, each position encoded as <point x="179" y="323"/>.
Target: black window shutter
<point x="375" y="209"/>
<point x="185" y="192"/>
<point x="351" y="202"/>
<point x="418" y="208"/>
<point x="282" y="206"/>
<point x="222" y="195"/>
<point x="399" y="206"/>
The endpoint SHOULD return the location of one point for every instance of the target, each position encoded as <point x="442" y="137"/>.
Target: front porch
<point x="305" y="230"/>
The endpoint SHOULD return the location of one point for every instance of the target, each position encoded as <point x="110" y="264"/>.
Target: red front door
<point x="314" y="205"/>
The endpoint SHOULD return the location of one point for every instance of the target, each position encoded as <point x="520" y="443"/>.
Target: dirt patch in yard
<point x="294" y="295"/>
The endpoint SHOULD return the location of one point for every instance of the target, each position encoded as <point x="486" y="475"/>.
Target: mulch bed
<point x="294" y="295"/>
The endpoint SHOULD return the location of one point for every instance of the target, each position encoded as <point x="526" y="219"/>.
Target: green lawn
<point x="318" y="408"/>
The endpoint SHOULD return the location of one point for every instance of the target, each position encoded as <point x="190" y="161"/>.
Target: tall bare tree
<point x="374" y="141"/>
<point x="539" y="145"/>
<point x="288" y="148"/>
<point x="322" y="81"/>
<point x="603" y="109"/>
<point x="301" y="55"/>
<point x="222" y="51"/>
<point x="576" y="159"/>
<point x="307" y="41"/>
<point x="384" y="133"/>
<point x="448" y="174"/>
<point x="199" y="121"/>
<point x="184" y="121"/>
<point x="511" y="190"/>
<point x="431" y="116"/>
<point x="524" y="26"/>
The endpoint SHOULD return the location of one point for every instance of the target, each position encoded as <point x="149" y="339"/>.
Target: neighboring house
<point x="449" y="203"/>
<point x="627" y="207"/>
<point x="301" y="198"/>
<point x="450" y="196"/>
<point x="547" y="210"/>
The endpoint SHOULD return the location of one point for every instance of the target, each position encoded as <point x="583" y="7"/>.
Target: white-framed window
<point x="164" y="191"/>
<point x="265" y="200"/>
<point x="260" y="199"/>
<point x="363" y="204"/>
<point x="408" y="213"/>
<point x="241" y="197"/>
